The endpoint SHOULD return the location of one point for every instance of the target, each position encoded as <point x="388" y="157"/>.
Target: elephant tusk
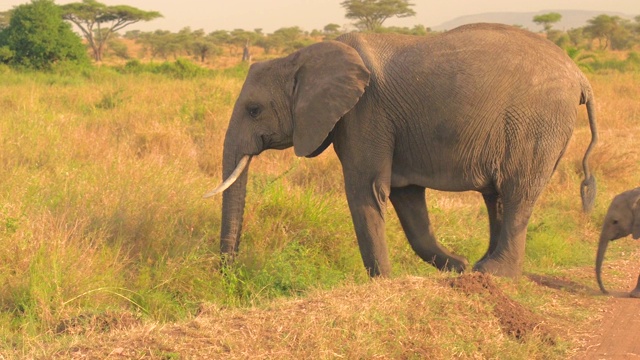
<point x="231" y="179"/>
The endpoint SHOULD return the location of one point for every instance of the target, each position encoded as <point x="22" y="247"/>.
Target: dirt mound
<point x="515" y="320"/>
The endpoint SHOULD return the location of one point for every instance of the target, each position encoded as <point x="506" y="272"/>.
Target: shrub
<point x="133" y="67"/>
<point x="38" y="37"/>
<point x="5" y="54"/>
<point x="180" y="69"/>
<point x="630" y="64"/>
<point x="119" y="49"/>
<point x="237" y="72"/>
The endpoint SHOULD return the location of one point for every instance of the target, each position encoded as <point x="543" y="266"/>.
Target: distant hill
<point x="570" y="19"/>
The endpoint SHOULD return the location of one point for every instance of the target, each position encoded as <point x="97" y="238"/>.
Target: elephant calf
<point x="622" y="219"/>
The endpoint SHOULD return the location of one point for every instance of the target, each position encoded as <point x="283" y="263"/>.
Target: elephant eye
<point x="254" y="110"/>
<point x="615" y="222"/>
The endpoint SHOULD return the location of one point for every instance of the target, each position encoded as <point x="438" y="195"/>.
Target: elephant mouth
<point x="272" y="142"/>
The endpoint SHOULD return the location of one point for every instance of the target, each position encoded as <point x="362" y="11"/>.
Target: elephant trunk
<point x="235" y="172"/>
<point x="602" y="248"/>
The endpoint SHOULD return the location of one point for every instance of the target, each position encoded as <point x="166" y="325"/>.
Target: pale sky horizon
<point x="315" y="14"/>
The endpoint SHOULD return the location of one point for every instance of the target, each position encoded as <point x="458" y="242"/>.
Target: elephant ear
<point x="635" y="228"/>
<point x="330" y="80"/>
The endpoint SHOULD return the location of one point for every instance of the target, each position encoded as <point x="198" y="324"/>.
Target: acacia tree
<point x="576" y="35"/>
<point x="197" y="44"/>
<point x="98" y="21"/>
<point x="547" y="20"/>
<point x="289" y="39"/>
<point x="160" y="43"/>
<point x="331" y="29"/>
<point x="204" y="45"/>
<point x="372" y="13"/>
<point x="239" y="38"/>
<point x="329" y="32"/>
<point x="611" y="29"/>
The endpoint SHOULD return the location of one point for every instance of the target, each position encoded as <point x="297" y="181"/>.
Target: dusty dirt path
<point x="618" y="334"/>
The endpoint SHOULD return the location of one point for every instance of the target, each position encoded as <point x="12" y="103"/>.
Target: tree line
<point x="602" y="32"/>
<point x="197" y="44"/>
<point x="39" y="34"/>
<point x="52" y="40"/>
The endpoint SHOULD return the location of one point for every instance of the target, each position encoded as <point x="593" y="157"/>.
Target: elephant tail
<point x="588" y="186"/>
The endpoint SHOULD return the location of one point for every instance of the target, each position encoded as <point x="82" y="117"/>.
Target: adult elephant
<point x="483" y="107"/>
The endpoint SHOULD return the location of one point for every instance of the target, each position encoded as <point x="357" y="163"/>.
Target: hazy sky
<point x="271" y="15"/>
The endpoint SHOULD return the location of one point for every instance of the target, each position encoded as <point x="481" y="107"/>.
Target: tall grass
<point x="101" y="178"/>
<point x="100" y="190"/>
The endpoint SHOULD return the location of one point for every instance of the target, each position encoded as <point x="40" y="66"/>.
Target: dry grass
<point x="618" y="111"/>
<point x="469" y="317"/>
<point x="408" y="317"/>
<point x="102" y="229"/>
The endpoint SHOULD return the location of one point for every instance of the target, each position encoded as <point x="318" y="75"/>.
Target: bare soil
<point x="515" y="320"/>
<point x="619" y="334"/>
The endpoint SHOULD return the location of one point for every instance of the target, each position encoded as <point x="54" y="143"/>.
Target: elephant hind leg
<point x="508" y="255"/>
<point x="494" y="209"/>
<point x="410" y="205"/>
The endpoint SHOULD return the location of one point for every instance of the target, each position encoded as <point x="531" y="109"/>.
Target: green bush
<point x="630" y="64"/>
<point x="237" y="72"/>
<point x="6" y="54"/>
<point x="180" y="69"/>
<point x="133" y="66"/>
<point x="37" y="37"/>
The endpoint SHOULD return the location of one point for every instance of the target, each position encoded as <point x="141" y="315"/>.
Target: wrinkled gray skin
<point x="483" y="107"/>
<point x="622" y="219"/>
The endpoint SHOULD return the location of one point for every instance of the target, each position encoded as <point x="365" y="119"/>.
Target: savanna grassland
<point x="107" y="248"/>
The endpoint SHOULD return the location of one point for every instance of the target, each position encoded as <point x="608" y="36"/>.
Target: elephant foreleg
<point x="367" y="204"/>
<point x="411" y="208"/>
<point x="494" y="209"/>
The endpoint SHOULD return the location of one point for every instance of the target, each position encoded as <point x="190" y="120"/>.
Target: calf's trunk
<point x="602" y="248"/>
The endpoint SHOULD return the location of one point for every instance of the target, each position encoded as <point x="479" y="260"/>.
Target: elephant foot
<point x="450" y="263"/>
<point x="498" y="268"/>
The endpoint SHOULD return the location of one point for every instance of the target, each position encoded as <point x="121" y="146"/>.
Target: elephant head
<point x="292" y="101"/>
<point x="622" y="219"/>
